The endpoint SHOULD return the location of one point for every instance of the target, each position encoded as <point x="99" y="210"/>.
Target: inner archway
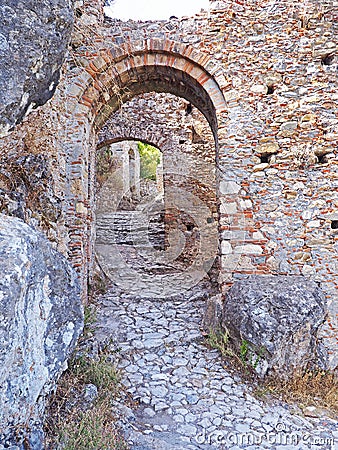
<point x="188" y="150"/>
<point x="130" y="207"/>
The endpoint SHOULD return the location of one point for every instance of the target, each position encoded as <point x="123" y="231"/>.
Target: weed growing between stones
<point x="91" y="431"/>
<point x="92" y="427"/>
<point x="220" y="341"/>
<point x="101" y="373"/>
<point x="247" y="357"/>
<point x="244" y="349"/>
<point x="89" y="317"/>
<point x="80" y="413"/>
<point x="314" y="391"/>
<point x="244" y="359"/>
<point x="99" y="283"/>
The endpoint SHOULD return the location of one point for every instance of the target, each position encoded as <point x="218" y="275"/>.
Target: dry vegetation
<point x="314" y="389"/>
<point x="74" y="421"/>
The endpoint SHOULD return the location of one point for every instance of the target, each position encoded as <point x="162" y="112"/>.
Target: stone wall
<point x="264" y="76"/>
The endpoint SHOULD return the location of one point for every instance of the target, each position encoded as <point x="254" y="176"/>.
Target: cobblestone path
<point x="183" y="397"/>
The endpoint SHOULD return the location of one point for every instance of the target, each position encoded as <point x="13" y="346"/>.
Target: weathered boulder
<point x="41" y="318"/>
<point x="33" y="41"/>
<point x="275" y="320"/>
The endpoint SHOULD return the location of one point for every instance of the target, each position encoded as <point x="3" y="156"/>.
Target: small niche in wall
<point x="271" y="89"/>
<point x="265" y="158"/>
<point x="327" y="60"/>
<point x="188" y="109"/>
<point x="78" y="12"/>
<point x="322" y="159"/>
<point x="334" y="224"/>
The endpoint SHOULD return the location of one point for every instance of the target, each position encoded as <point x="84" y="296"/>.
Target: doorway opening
<point x="157" y="209"/>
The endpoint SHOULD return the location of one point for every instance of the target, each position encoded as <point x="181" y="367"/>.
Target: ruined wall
<point x="275" y="64"/>
<point x="118" y="186"/>
<point x="33" y="175"/>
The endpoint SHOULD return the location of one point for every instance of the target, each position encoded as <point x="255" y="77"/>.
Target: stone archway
<point x="108" y="80"/>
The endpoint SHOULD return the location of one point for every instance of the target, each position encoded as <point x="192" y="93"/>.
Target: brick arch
<point x="160" y="144"/>
<point x="160" y="120"/>
<point x="148" y="133"/>
<point x="109" y="79"/>
<point x="120" y="73"/>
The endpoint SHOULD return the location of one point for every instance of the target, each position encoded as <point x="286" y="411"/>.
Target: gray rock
<point x="192" y="399"/>
<point x="187" y="430"/>
<point x="33" y="42"/>
<point x="159" y="391"/>
<point x="279" y="317"/>
<point x="41" y="317"/>
<point x="149" y="412"/>
<point x="90" y="394"/>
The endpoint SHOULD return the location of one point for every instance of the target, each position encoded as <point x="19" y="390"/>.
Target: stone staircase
<point x="134" y="228"/>
<point x="130" y="248"/>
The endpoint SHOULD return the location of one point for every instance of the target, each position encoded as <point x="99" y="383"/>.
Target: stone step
<point x="130" y="228"/>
